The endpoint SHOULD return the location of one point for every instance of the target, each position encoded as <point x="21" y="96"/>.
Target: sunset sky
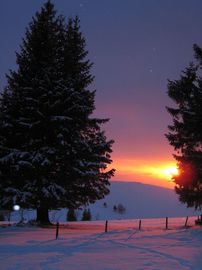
<point x="136" y="45"/>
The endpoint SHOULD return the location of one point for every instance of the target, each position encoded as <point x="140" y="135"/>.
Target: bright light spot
<point x="170" y="172"/>
<point x="16" y="207"/>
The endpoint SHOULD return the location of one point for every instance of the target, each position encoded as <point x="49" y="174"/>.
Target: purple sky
<point x="136" y="45"/>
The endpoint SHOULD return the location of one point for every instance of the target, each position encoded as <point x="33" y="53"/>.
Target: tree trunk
<point x="42" y="216"/>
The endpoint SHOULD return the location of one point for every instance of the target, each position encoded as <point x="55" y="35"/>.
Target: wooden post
<point x="106" y="226"/>
<point x="186" y="222"/>
<point x="166" y="223"/>
<point x="140" y="223"/>
<point x="57" y="230"/>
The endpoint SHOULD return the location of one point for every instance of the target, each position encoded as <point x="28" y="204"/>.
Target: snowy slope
<point x="85" y="246"/>
<point x="139" y="200"/>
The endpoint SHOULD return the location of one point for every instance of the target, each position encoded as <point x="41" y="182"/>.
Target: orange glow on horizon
<point x="154" y="172"/>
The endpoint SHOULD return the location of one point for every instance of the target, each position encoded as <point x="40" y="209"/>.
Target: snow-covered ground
<point x="85" y="246"/>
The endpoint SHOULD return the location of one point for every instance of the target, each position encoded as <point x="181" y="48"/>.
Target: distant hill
<point x="139" y="200"/>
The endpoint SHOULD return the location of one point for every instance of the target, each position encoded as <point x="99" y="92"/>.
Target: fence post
<point x="186" y="221"/>
<point x="106" y="226"/>
<point x="166" y="223"/>
<point x="140" y="223"/>
<point x="57" y="230"/>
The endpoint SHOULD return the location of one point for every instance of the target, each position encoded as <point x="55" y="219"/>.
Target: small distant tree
<point x="185" y="133"/>
<point x="71" y="215"/>
<point x="105" y="205"/>
<point x="86" y="215"/>
<point x="114" y="208"/>
<point x="121" y="209"/>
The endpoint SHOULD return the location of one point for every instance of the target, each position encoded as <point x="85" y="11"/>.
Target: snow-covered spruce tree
<point x="71" y="215"/>
<point x="52" y="154"/>
<point x="185" y="134"/>
<point x="86" y="216"/>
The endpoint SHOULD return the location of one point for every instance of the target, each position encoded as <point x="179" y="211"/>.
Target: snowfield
<point x="85" y="246"/>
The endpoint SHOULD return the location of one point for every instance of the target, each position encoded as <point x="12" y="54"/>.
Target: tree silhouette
<point x="53" y="154"/>
<point x="185" y="133"/>
<point x="71" y="216"/>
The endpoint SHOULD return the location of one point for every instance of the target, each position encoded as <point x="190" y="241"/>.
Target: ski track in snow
<point x="83" y="246"/>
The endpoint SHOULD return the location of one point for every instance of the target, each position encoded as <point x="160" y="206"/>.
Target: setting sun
<point x="164" y="172"/>
<point x="169" y="172"/>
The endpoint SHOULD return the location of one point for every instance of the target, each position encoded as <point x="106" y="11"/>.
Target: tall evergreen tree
<point x="52" y="153"/>
<point x="185" y="134"/>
